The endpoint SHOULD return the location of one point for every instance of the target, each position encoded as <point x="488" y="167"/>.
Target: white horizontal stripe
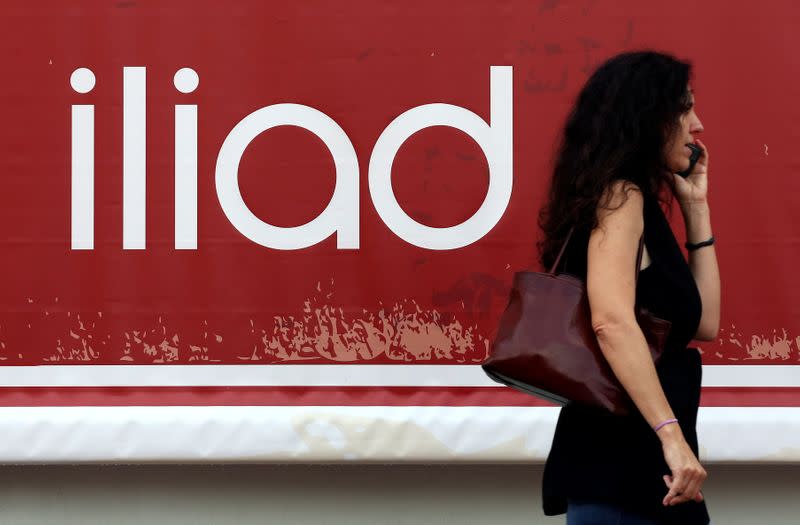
<point x="347" y="434"/>
<point x="751" y="375"/>
<point x="245" y="375"/>
<point x="331" y="375"/>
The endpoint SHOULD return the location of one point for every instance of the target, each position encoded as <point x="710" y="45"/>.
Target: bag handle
<point x="569" y="236"/>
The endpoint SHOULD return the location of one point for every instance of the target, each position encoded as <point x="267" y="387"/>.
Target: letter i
<point x="134" y="92"/>
<point x="186" y="81"/>
<point x="82" y="81"/>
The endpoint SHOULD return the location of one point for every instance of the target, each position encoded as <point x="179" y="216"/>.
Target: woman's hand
<point x="687" y="474"/>
<point x="693" y="189"/>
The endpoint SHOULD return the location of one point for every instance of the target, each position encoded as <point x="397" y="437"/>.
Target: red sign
<point x="316" y="183"/>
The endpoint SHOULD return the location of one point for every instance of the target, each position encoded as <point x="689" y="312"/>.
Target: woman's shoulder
<point x="621" y="208"/>
<point x="618" y="192"/>
<point x="623" y="186"/>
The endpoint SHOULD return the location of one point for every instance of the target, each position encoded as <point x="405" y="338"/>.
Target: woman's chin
<point x="680" y="166"/>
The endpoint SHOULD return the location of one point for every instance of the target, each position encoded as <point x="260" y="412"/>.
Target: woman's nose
<point x="697" y="126"/>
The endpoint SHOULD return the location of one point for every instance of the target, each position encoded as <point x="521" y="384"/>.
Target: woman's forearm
<point x="703" y="263"/>
<point x="625" y="348"/>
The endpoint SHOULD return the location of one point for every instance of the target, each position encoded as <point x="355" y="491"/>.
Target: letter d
<point x="496" y="142"/>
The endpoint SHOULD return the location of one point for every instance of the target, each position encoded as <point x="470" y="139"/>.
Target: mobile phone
<point x="693" y="158"/>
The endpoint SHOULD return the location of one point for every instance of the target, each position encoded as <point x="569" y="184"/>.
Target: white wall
<point x="342" y="494"/>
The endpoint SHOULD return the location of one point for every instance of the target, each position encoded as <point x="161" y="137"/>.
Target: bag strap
<point x="569" y="236"/>
<point x="552" y="270"/>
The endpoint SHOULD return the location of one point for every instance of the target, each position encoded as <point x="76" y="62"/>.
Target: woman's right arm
<point x="611" y="289"/>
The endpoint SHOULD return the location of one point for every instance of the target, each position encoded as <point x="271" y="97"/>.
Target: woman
<point x="623" y="145"/>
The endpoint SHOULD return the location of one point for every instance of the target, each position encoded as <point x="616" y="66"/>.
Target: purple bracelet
<point x="663" y="424"/>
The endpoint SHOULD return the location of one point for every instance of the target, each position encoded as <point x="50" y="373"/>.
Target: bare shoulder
<point x="621" y="206"/>
<point x="623" y="196"/>
<point x="620" y="225"/>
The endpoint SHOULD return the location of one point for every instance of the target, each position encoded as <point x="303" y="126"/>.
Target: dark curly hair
<point x="616" y="130"/>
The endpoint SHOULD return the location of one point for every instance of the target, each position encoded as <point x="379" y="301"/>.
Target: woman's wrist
<point x="695" y="208"/>
<point x="697" y="217"/>
<point x="669" y="433"/>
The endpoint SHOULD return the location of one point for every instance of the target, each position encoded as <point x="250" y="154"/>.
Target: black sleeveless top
<point x="599" y="457"/>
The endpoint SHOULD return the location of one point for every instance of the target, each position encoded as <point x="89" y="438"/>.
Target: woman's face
<point x="676" y="151"/>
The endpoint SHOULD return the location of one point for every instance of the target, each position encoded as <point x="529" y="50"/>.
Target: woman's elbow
<point x="608" y="328"/>
<point x="707" y="332"/>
